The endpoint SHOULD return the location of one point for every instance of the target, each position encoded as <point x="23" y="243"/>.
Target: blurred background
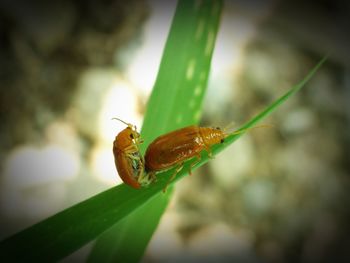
<point x="276" y="195"/>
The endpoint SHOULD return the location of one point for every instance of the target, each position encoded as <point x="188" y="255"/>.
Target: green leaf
<point x="175" y="102"/>
<point x="131" y="230"/>
<point x="163" y="177"/>
<point x="181" y="82"/>
<point x="63" y="233"/>
<point x="121" y="207"/>
<point x="270" y="108"/>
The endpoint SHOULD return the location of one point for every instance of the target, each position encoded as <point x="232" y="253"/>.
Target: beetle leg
<point x="146" y="178"/>
<point x="139" y="141"/>
<point x="129" y="149"/>
<point x="153" y="177"/>
<point x="131" y="156"/>
<point x="194" y="163"/>
<point x="177" y="170"/>
<point x="210" y="154"/>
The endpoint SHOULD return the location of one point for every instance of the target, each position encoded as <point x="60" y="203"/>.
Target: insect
<point x="128" y="160"/>
<point x="174" y="148"/>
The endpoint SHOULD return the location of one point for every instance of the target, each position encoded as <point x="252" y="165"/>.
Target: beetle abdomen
<point x="172" y="148"/>
<point x="128" y="170"/>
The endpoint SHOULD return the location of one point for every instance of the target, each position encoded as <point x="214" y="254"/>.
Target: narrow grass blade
<point x="283" y="98"/>
<point x="127" y="233"/>
<point x="178" y="93"/>
<point x="65" y="232"/>
<point x="175" y="102"/>
<point x="163" y="177"/>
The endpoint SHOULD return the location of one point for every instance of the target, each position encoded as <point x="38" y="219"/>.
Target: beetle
<point x="174" y="148"/>
<point x="128" y="160"/>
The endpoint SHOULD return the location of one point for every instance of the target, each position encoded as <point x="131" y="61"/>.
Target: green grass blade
<point x="283" y="98"/>
<point x="175" y="102"/>
<point x="195" y="24"/>
<point x="163" y="177"/>
<point x="65" y="232"/>
<point x="127" y="233"/>
<point x="178" y="93"/>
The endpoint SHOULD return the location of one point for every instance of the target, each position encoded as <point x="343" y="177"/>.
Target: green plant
<point x="126" y="217"/>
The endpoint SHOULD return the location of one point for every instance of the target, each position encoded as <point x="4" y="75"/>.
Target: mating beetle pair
<point x="166" y="151"/>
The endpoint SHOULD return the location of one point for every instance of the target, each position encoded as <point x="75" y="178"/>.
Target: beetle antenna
<point x="227" y="127"/>
<point x="247" y="129"/>
<point x="128" y="124"/>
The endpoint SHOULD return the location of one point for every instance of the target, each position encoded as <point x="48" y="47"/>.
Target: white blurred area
<point x="34" y="179"/>
<point x="143" y="69"/>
